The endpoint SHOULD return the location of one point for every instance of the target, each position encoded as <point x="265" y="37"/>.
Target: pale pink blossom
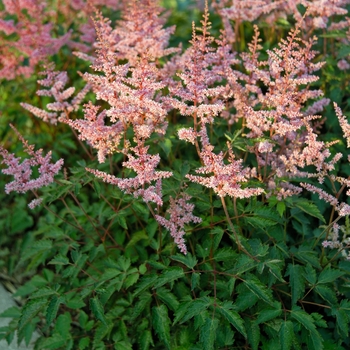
<point x="343" y="64"/>
<point x="22" y="171"/>
<point x="180" y="214"/>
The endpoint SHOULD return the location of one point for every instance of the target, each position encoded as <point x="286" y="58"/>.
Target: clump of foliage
<point x="185" y="195"/>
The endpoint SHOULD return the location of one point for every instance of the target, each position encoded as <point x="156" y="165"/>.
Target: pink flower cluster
<point x="180" y="214"/>
<point x="22" y="171"/>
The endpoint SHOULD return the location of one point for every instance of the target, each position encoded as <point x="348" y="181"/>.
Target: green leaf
<point x="97" y="309"/>
<point x="195" y="279"/>
<point x="267" y="315"/>
<point x="144" y="301"/>
<point x="41" y="246"/>
<point x="75" y="303"/>
<point x="308" y="322"/>
<point x="188" y="310"/>
<point x="161" y="324"/>
<point x="42" y="292"/>
<point x="12" y="312"/>
<point x="30" y="310"/>
<point x="56" y="341"/>
<point x="145" y="340"/>
<point x="145" y="282"/>
<point x="97" y="187"/>
<point x="326" y="294"/>
<point x="59" y="260"/>
<point x="286" y="335"/>
<point x="342" y="321"/>
<point x="232" y="316"/>
<point x="310" y="274"/>
<point x="344" y="51"/>
<point x="188" y="260"/>
<point x="169" y="275"/>
<point x="168" y="298"/>
<point x="246" y="298"/>
<point x="207" y="333"/>
<point x="131" y="280"/>
<point x="296" y="281"/>
<point x="166" y="146"/>
<point x="329" y="275"/>
<point x="281" y="208"/>
<point x="52" y="309"/>
<point x="63" y="325"/>
<point x="309" y="208"/>
<point x="258" y="288"/>
<point x="136" y="237"/>
<point x="84" y="343"/>
<point x="253" y="333"/>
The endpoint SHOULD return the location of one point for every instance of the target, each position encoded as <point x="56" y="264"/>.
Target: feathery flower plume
<point x="55" y="83"/>
<point x="34" y="42"/>
<point x="345" y="126"/>
<point x="144" y="166"/>
<point x="22" y="171"/>
<point x="180" y="214"/>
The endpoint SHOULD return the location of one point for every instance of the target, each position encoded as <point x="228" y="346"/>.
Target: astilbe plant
<point x="202" y="221"/>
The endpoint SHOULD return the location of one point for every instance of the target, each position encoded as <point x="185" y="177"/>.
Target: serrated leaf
<point x="168" y="298"/>
<point x="281" y="208"/>
<point x="169" y="275"/>
<point x="75" y="303"/>
<point x="188" y="310"/>
<point x="296" y="281"/>
<point x="188" y="260"/>
<point x="136" y="237"/>
<point x="308" y="322"/>
<point x="143" y="302"/>
<point x="310" y="274"/>
<point x="97" y="187"/>
<point x="56" y="341"/>
<point x="207" y="333"/>
<point x="59" y="260"/>
<point x="309" y="208"/>
<point x="195" y="279"/>
<point x="131" y="280"/>
<point x="63" y="325"/>
<point x="97" y="309"/>
<point x="232" y="316"/>
<point x="84" y="343"/>
<point x="253" y="333"/>
<point x="37" y="247"/>
<point x="329" y="275"/>
<point x="267" y="315"/>
<point x="258" y="288"/>
<point x="342" y="321"/>
<point x="52" y="309"/>
<point x="12" y="312"/>
<point x="286" y="335"/>
<point x="246" y="298"/>
<point x="161" y="324"/>
<point x="42" y="292"/>
<point x="145" y="282"/>
<point x="326" y="294"/>
<point x="145" y="340"/>
<point x="30" y="310"/>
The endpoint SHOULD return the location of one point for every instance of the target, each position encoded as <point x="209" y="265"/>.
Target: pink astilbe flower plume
<point x="34" y="41"/>
<point x="180" y="214"/>
<point x="343" y="123"/>
<point x="55" y="82"/>
<point x="224" y="179"/>
<point x="22" y="171"/>
<point x="146" y="183"/>
<point x="98" y="135"/>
